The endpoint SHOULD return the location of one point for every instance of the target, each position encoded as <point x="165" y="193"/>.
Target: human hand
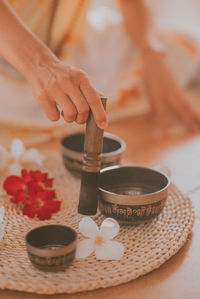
<point x="166" y="96"/>
<point x="54" y="83"/>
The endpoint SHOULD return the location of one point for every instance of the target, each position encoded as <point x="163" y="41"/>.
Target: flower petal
<point x="29" y="211"/>
<point x="14" y="169"/>
<point x="34" y="186"/>
<point x="4" y="155"/>
<point x="13" y="184"/>
<point x="26" y="176"/>
<point x="84" y="248"/>
<point x="39" y="176"/>
<point x="110" y="250"/>
<point x="17" y="148"/>
<point x="54" y="205"/>
<point x="19" y="197"/>
<point x="48" y="183"/>
<point x="109" y="228"/>
<point x="41" y="204"/>
<point x="32" y="155"/>
<point x="47" y="195"/>
<point x="44" y="213"/>
<point x="88" y="227"/>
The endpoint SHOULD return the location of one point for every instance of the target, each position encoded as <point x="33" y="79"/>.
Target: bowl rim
<point x="45" y="252"/>
<point x="132" y="199"/>
<point x="79" y="155"/>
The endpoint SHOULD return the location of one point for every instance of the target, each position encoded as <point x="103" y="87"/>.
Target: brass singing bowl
<point x="132" y="194"/>
<point x="73" y="148"/>
<point x="51" y="247"/>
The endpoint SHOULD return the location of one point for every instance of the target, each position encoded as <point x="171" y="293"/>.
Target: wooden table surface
<point x="178" y="278"/>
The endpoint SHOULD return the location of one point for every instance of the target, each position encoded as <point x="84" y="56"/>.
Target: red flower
<point x="38" y="175"/>
<point x="26" y="176"/>
<point x="37" y="180"/>
<point x="41" y="178"/>
<point x="41" y="204"/>
<point x="21" y="196"/>
<point x="33" y="190"/>
<point x="13" y="184"/>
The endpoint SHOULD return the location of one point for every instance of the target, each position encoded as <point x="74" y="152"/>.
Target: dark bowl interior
<point x="51" y="235"/>
<point x="132" y="181"/>
<point x="76" y="143"/>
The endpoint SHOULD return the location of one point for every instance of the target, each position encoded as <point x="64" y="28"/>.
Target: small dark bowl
<point x="73" y="148"/>
<point x="131" y="194"/>
<point x="51" y="247"/>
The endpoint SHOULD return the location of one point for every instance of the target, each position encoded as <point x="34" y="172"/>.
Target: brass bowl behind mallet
<point x="132" y="194"/>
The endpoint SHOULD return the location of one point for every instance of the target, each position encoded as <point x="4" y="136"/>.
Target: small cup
<point x="132" y="195"/>
<point x="51" y="247"/>
<point x="73" y="149"/>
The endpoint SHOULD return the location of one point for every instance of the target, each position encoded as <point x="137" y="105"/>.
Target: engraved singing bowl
<point x="73" y="148"/>
<point x="51" y="247"/>
<point x="132" y="195"/>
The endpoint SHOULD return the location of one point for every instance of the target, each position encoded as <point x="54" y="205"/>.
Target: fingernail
<point x="103" y="125"/>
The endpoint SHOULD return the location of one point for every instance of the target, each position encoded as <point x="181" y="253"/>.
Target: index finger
<point x="95" y="104"/>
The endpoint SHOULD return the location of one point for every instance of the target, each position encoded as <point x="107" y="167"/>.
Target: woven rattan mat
<point x="147" y="246"/>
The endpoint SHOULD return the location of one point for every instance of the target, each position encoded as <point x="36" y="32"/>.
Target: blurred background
<point x="90" y="36"/>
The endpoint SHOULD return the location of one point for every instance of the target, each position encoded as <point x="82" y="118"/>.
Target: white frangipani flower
<point x="99" y="240"/>
<point x="18" y="155"/>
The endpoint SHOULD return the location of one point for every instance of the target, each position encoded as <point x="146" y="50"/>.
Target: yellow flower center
<point x="99" y="240"/>
<point x="11" y="160"/>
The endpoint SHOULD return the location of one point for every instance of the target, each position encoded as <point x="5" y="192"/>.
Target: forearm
<point x="53" y="82"/>
<point x="139" y="25"/>
<point x="18" y="45"/>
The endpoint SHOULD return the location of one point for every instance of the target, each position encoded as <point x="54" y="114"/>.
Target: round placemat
<point x="147" y="246"/>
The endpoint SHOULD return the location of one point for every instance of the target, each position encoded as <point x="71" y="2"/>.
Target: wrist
<point x="34" y="58"/>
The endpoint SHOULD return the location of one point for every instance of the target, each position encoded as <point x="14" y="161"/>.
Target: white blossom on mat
<point x="12" y="160"/>
<point x="99" y="240"/>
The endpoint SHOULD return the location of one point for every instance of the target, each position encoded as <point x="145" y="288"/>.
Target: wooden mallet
<point x="88" y="200"/>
